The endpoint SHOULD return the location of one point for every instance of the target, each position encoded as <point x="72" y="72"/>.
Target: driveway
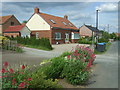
<point x="34" y="56"/>
<point x="105" y="72"/>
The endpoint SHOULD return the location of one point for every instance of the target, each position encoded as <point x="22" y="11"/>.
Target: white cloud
<point x="81" y="16"/>
<point x="108" y="7"/>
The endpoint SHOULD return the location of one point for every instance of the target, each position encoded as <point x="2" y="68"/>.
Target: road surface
<point x="105" y="72"/>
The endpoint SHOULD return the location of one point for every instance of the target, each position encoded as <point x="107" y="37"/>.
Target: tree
<point x="24" y="21"/>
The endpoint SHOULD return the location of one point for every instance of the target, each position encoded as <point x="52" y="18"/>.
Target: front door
<point x="66" y="37"/>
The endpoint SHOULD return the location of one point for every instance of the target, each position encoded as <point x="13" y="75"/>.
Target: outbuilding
<point x="18" y="30"/>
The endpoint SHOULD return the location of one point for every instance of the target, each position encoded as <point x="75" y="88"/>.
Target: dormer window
<point x="64" y="23"/>
<point x="52" y="21"/>
<point x="70" y="24"/>
<point x="12" y="23"/>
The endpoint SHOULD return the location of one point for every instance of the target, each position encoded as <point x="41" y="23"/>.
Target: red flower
<point x="23" y="67"/>
<point x="22" y="85"/>
<point x="68" y="56"/>
<point x="3" y="70"/>
<point x="89" y="64"/>
<point x="13" y="81"/>
<point x="29" y="79"/>
<point x="11" y="70"/>
<point x="5" y="64"/>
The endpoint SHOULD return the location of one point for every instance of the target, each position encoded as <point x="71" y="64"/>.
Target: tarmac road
<point x="105" y="72"/>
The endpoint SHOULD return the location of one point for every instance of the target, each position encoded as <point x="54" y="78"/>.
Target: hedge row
<point x="43" y="42"/>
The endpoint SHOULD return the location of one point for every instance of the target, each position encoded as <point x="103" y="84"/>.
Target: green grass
<point x="107" y="47"/>
<point x="19" y="50"/>
<point x="38" y="47"/>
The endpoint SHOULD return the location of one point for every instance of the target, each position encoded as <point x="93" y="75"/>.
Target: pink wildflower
<point x="5" y="64"/>
<point x="3" y="70"/>
<point x="23" y="67"/>
<point x="11" y="70"/>
<point x="29" y="79"/>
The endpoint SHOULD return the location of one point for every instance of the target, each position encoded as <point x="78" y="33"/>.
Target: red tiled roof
<point x="3" y="19"/>
<point x="58" y="21"/>
<point x="16" y="28"/>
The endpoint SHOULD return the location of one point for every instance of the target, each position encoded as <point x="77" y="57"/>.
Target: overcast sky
<point x="78" y="12"/>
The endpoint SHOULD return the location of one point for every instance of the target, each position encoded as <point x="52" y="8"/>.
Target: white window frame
<point x="64" y="23"/>
<point x="70" y="24"/>
<point x="52" y="21"/>
<point x="59" y="37"/>
<point x="74" y="34"/>
<point x="37" y="35"/>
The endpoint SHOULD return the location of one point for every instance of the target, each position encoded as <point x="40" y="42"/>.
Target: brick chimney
<point x="66" y="17"/>
<point x="36" y="10"/>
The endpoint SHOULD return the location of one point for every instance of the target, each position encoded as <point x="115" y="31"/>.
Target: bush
<point x="65" y="54"/>
<point x="103" y="40"/>
<point x="77" y="66"/>
<point x="42" y="43"/>
<point x="40" y="81"/>
<point x="23" y="78"/>
<point x="87" y="40"/>
<point x="55" y="68"/>
<point x="74" y="66"/>
<point x="75" y="73"/>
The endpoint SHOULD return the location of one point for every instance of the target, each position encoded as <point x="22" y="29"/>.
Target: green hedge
<point x="42" y="43"/>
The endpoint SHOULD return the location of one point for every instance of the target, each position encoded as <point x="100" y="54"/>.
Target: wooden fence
<point x="9" y="45"/>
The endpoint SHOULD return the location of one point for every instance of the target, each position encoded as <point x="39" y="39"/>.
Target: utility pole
<point x="108" y="28"/>
<point x="97" y="24"/>
<point x="97" y="18"/>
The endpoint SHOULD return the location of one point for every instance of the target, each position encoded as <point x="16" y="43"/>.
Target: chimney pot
<point x="66" y="17"/>
<point x="36" y="10"/>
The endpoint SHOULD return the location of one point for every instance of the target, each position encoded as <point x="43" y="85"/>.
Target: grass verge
<point x="38" y="47"/>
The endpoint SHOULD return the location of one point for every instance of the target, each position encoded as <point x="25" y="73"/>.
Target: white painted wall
<point x="25" y="32"/>
<point x="37" y="23"/>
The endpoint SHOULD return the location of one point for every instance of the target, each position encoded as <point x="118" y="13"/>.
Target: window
<point x="70" y="24"/>
<point x="37" y="35"/>
<point x="64" y="23"/>
<point x="12" y="23"/>
<point x="57" y="36"/>
<point x="52" y="21"/>
<point x="75" y="36"/>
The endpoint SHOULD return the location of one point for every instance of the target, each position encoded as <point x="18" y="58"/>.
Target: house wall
<point x="8" y="23"/>
<point x="37" y="23"/>
<point x="25" y="32"/>
<point x="42" y="34"/>
<point x="62" y="40"/>
<point x="12" y="34"/>
<point x="0" y="29"/>
<point x="84" y="31"/>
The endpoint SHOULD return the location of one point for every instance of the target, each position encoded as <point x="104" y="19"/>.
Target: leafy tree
<point x="24" y="21"/>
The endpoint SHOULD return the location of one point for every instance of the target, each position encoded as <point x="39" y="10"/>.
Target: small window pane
<point x="12" y="23"/>
<point x="52" y="21"/>
<point x="64" y="23"/>
<point x="57" y="36"/>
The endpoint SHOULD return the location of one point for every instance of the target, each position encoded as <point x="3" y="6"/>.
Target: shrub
<point x="22" y="78"/>
<point x="42" y="43"/>
<point x="74" y="66"/>
<point x="65" y="54"/>
<point x="15" y="79"/>
<point x="75" y="73"/>
<point x="103" y="40"/>
<point x="40" y="81"/>
<point x="87" y="40"/>
<point x="55" y="68"/>
<point x="77" y="66"/>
